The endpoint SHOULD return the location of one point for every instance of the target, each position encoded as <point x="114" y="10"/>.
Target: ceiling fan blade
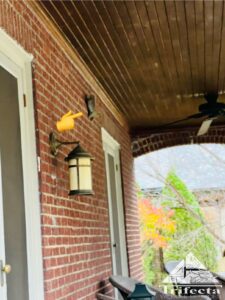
<point x="195" y="116"/>
<point x="198" y="115"/>
<point x="205" y="126"/>
<point x="173" y="123"/>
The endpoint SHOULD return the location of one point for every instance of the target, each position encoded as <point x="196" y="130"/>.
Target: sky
<point x="199" y="166"/>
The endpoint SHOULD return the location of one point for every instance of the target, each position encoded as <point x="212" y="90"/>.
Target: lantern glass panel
<point x="85" y="178"/>
<point x="73" y="174"/>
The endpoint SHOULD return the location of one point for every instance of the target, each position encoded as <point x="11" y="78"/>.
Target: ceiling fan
<point x="211" y="110"/>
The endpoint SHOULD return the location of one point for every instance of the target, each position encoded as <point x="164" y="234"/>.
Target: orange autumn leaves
<point x="156" y="222"/>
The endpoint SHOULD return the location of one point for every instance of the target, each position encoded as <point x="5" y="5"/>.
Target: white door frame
<point x="3" y="289"/>
<point x="17" y="61"/>
<point x="111" y="146"/>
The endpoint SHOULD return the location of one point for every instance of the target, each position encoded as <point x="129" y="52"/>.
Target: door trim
<point x="3" y="289"/>
<point x="111" y="146"/>
<point x="17" y="61"/>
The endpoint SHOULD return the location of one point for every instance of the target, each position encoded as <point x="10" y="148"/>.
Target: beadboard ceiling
<point x="154" y="58"/>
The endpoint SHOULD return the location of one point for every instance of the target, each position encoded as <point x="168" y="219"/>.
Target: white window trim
<point x="17" y="61"/>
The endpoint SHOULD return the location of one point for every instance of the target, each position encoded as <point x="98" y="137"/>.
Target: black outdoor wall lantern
<point x="141" y="292"/>
<point x="80" y="166"/>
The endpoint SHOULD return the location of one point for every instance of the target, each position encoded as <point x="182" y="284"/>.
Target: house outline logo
<point x="191" y="277"/>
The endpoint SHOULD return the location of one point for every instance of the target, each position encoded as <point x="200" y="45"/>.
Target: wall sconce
<point x="55" y="143"/>
<point x="90" y="103"/>
<point x="80" y="166"/>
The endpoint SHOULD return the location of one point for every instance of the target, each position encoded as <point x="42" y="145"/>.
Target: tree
<point x="157" y="227"/>
<point x="172" y="227"/>
<point x="156" y="223"/>
<point x="191" y="233"/>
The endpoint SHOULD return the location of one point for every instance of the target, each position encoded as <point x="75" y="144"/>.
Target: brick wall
<point x="75" y="230"/>
<point x="151" y="141"/>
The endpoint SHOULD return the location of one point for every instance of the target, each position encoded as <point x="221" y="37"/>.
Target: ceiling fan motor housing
<point x="211" y="97"/>
<point x="212" y="108"/>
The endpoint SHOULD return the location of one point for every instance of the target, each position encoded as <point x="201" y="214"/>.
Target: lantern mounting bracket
<point x="55" y="143"/>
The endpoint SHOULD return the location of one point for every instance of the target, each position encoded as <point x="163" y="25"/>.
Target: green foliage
<point x="139" y="192"/>
<point x="175" y="187"/>
<point x="190" y="235"/>
<point x="148" y="262"/>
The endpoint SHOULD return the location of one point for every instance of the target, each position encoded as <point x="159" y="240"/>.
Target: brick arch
<point x="144" y="142"/>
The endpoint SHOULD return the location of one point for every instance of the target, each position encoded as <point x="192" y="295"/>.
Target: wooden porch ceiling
<point x="153" y="58"/>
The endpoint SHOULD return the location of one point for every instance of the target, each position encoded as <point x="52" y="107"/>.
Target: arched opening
<point x="181" y="193"/>
<point x="146" y="142"/>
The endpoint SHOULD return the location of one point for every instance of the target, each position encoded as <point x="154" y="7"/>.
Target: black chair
<point x="126" y="285"/>
<point x="221" y="279"/>
<point x="104" y="297"/>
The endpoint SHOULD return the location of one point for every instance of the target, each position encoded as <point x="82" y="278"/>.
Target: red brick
<point x="75" y="230"/>
<point x="184" y="136"/>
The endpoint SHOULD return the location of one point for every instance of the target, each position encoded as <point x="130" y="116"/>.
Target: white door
<point x="13" y="239"/>
<point x="20" y="237"/>
<point x="3" y="290"/>
<point x="115" y="201"/>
